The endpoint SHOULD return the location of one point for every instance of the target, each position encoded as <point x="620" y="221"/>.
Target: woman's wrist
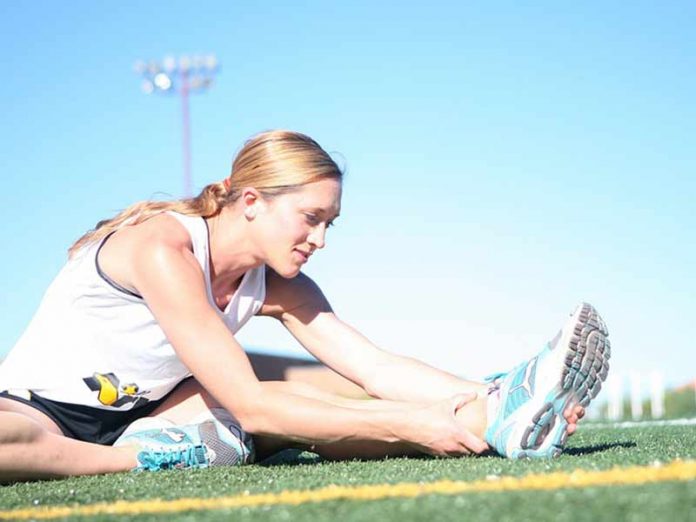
<point x="394" y="425"/>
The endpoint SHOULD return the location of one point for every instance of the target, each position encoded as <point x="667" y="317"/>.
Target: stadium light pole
<point x="188" y="74"/>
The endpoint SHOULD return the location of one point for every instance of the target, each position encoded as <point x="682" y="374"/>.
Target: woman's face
<point x="293" y="226"/>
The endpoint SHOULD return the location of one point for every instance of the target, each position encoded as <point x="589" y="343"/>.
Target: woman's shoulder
<point x="162" y="230"/>
<point x="160" y="236"/>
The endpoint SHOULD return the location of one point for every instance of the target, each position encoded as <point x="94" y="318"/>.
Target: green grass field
<point x="554" y="495"/>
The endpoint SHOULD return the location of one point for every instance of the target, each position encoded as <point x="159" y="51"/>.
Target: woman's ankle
<point x="474" y="415"/>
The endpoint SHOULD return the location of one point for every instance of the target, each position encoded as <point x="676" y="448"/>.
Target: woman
<point x="138" y="329"/>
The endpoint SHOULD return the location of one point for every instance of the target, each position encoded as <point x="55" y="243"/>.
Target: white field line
<point x="677" y="470"/>
<point x="641" y="424"/>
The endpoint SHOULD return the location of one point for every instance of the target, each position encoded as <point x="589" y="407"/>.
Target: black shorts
<point x="85" y="422"/>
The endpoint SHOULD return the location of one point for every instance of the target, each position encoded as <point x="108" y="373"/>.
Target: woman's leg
<point x="33" y="447"/>
<point x="472" y="416"/>
<point x="190" y="400"/>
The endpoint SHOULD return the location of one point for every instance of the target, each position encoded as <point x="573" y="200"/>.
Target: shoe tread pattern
<point x="586" y="365"/>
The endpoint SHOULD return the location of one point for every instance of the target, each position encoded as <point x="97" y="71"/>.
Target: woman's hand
<point x="436" y="431"/>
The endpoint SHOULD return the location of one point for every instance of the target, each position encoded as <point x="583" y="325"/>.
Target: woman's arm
<point x="300" y="305"/>
<point x="167" y="275"/>
<point x="305" y="312"/>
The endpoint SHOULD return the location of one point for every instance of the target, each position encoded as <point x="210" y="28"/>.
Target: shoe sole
<point x="584" y="368"/>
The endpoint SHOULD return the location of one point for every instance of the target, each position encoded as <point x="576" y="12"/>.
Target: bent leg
<point x="30" y="451"/>
<point x="189" y="402"/>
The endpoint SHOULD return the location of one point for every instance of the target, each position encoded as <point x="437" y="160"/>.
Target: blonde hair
<point x="273" y="162"/>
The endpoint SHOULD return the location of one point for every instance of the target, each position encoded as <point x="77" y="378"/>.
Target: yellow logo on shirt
<point x="110" y="392"/>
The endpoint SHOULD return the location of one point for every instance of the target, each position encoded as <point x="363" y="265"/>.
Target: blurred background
<point x="504" y="161"/>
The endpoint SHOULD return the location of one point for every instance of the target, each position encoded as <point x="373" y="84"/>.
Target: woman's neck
<point x="231" y="252"/>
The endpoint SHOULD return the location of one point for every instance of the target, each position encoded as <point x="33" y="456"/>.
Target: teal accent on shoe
<point x="532" y="376"/>
<point x="196" y="445"/>
<point x="188" y="456"/>
<point x="168" y="448"/>
<point x="494" y="377"/>
<point x="533" y="396"/>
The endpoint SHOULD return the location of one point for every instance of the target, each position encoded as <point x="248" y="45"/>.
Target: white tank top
<point x="94" y="343"/>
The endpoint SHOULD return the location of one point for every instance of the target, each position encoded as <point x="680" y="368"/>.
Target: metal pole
<point x="195" y="74"/>
<point x="186" y="134"/>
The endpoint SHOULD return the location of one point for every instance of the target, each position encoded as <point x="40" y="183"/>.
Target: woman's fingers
<point x="468" y="441"/>
<point x="458" y="401"/>
<point x="442" y="433"/>
<point x="573" y="414"/>
<point x="472" y="444"/>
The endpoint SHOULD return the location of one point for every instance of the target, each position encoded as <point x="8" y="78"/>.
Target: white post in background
<point x="616" y="394"/>
<point x="657" y="395"/>
<point x="615" y="399"/>
<point x="636" y="399"/>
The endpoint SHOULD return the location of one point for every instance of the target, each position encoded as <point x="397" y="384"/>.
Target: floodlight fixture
<point x="183" y="75"/>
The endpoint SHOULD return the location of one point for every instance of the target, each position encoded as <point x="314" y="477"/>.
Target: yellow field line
<point x="675" y="471"/>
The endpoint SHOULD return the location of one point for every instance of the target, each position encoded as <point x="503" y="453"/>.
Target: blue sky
<point x="504" y="161"/>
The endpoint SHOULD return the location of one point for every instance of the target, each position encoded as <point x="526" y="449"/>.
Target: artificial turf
<point x="595" y="449"/>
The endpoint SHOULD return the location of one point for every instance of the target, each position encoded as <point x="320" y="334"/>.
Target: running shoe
<point x="528" y="420"/>
<point x="193" y="446"/>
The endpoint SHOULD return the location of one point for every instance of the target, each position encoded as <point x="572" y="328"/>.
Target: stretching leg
<point x="472" y="416"/>
<point x="190" y="399"/>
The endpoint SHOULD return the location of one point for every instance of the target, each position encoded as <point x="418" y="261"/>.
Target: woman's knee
<point x="18" y="428"/>
<point x="187" y="401"/>
<point x="29" y="412"/>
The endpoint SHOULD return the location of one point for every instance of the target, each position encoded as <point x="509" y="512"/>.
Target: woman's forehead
<point x="324" y="194"/>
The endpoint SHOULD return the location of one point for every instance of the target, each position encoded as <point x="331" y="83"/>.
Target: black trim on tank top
<point x="207" y="229"/>
<point x="210" y="254"/>
<point x="105" y="277"/>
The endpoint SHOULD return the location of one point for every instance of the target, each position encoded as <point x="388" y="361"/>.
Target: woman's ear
<point x="252" y="202"/>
